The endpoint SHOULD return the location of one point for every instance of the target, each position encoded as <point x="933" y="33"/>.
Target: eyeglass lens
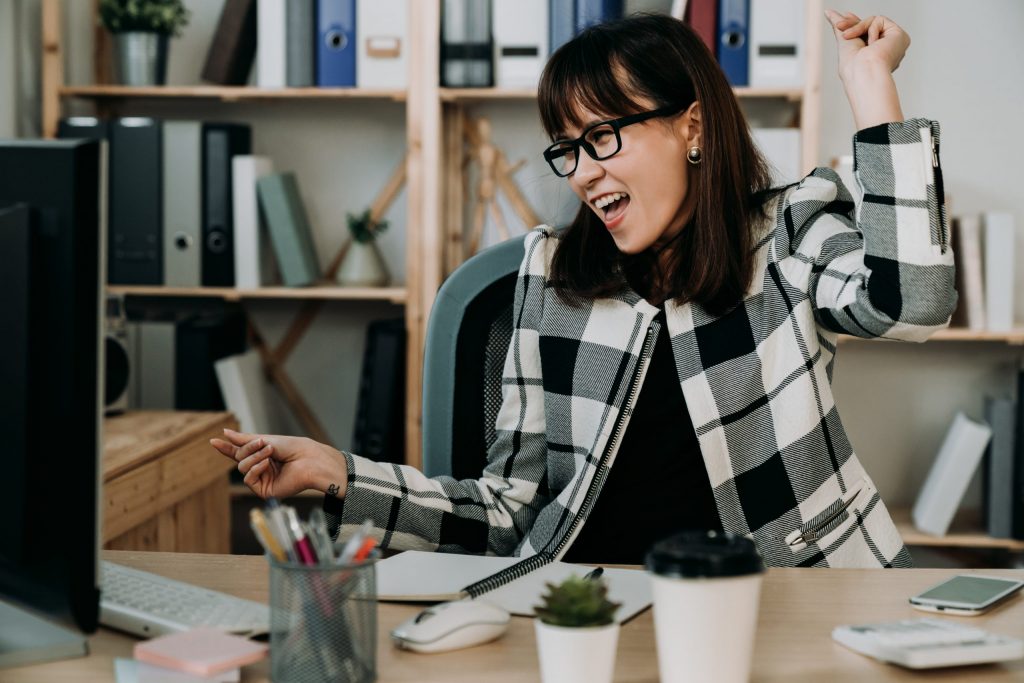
<point x="602" y="139"/>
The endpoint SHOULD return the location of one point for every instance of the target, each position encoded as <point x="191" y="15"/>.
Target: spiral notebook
<point x="510" y="582"/>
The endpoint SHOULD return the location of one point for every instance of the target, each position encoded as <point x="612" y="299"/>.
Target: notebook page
<point x="418" y="576"/>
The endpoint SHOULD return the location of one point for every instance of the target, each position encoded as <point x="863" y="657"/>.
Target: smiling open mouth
<point x="615" y="208"/>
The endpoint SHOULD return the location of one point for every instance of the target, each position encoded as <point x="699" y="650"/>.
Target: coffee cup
<point x="706" y="587"/>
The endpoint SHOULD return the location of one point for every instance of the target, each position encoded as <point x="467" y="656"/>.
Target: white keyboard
<point x="149" y="605"/>
<point x="927" y="643"/>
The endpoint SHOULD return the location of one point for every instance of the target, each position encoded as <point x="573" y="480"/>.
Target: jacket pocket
<point x="830" y="522"/>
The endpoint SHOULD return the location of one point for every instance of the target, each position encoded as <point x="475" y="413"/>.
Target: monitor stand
<point x="27" y="639"/>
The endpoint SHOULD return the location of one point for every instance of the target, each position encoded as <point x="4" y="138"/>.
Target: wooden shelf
<point x="228" y="93"/>
<point x="484" y="94"/>
<point x="965" y="532"/>
<point x="1013" y="337"/>
<point x="395" y="295"/>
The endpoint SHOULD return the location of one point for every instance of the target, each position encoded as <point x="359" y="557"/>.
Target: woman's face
<point x="651" y="170"/>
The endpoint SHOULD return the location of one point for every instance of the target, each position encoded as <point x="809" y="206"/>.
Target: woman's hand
<point x="869" y="51"/>
<point x="867" y="42"/>
<point x="282" y="466"/>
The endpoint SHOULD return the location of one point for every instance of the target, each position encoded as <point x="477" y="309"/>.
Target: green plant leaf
<point x="577" y="602"/>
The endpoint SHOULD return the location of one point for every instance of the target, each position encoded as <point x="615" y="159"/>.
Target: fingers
<point x="252" y="477"/>
<point x="224" y="447"/>
<point x="239" y="438"/>
<point x="256" y="458"/>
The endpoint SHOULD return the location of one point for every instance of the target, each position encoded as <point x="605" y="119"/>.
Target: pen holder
<point x="323" y="622"/>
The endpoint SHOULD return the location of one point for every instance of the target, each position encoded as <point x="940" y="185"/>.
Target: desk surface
<point x="799" y="608"/>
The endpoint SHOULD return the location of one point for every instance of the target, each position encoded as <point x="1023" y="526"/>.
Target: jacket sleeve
<point x="887" y="269"/>
<point x="489" y="515"/>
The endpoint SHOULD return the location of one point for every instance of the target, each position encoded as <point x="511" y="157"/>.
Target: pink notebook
<point x="201" y="651"/>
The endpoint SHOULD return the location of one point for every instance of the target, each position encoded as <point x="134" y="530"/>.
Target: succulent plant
<point x="577" y="602"/>
<point x="156" y="16"/>
<point x="364" y="228"/>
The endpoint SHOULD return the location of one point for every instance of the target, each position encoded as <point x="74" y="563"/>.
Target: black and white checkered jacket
<point x="757" y="381"/>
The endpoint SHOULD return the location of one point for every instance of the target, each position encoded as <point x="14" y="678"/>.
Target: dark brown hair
<point x="665" y="62"/>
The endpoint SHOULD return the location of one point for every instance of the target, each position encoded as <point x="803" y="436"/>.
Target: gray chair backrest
<point x="468" y="335"/>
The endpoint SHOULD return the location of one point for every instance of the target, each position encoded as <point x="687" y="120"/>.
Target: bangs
<point x="582" y="74"/>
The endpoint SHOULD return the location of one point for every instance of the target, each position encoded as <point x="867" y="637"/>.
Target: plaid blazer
<point x="757" y="381"/>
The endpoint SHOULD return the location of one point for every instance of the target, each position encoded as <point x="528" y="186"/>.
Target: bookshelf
<point x="965" y="532"/>
<point x="228" y="93"/>
<point x="395" y="295"/>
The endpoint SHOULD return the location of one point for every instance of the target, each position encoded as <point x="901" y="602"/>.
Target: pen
<point x="321" y="539"/>
<point x="594" y="574"/>
<point x="277" y="524"/>
<point x="303" y="548"/>
<point x="264" y="536"/>
<point x="350" y="548"/>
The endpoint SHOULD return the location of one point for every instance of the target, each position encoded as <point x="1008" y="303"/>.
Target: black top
<point x="658" y="485"/>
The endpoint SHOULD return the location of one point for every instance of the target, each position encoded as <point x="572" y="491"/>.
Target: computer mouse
<point x="451" y="626"/>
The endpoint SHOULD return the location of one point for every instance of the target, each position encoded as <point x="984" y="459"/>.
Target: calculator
<point x="928" y="642"/>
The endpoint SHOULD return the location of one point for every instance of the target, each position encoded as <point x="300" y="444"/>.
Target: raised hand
<point x="874" y="39"/>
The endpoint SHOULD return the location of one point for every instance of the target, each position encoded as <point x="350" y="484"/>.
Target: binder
<point x="272" y="43"/>
<point x="561" y="21"/>
<point x="777" y="29"/>
<point x="233" y="47"/>
<point x="967" y="235"/>
<point x="590" y="12"/>
<point x="999" y="467"/>
<point x="136" y="202"/>
<point x="950" y="474"/>
<point x="289" y="229"/>
<point x="183" y="201"/>
<point x="702" y="16"/>
<point x="734" y="40"/>
<point x="253" y="260"/>
<point x="336" y="43"/>
<point x="467" y="47"/>
<point x="1000" y="254"/>
<point x="200" y="341"/>
<point x="300" y="54"/>
<point x="1017" y="509"/>
<point x="379" y="432"/>
<point x="382" y="32"/>
<point x="520" y="30"/>
<point x="221" y="142"/>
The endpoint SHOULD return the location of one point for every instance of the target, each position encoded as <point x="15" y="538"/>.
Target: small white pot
<point x="576" y="655"/>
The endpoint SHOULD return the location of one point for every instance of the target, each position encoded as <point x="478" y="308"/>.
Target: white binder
<point x="782" y="148"/>
<point x="777" y="29"/>
<point x="253" y="256"/>
<point x="1000" y="254"/>
<point x="183" y="203"/>
<point x="520" y="29"/>
<point x="382" y="31"/>
<point x="271" y="43"/>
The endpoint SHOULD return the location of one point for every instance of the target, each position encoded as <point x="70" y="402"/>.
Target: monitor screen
<point x="51" y="238"/>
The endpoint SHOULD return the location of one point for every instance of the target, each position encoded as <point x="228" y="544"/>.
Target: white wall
<point x="896" y="400"/>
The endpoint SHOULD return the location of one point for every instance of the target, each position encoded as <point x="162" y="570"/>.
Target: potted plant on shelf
<point x="363" y="265"/>
<point x="576" y="632"/>
<point x="142" y="29"/>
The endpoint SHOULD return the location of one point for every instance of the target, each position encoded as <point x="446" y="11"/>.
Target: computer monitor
<point x="51" y="320"/>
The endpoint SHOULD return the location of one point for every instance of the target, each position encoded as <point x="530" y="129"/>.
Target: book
<point x="300" y="63"/>
<point x="254" y="259"/>
<point x="998" y="491"/>
<point x="969" y="259"/>
<point x="233" y="47"/>
<point x="271" y="42"/>
<point x="950" y="474"/>
<point x="289" y="229"/>
<point x="1000" y="252"/>
<point x="512" y="583"/>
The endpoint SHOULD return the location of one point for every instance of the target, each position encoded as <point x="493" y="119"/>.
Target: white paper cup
<point x="706" y="587"/>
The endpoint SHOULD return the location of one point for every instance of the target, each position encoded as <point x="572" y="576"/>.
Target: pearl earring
<point x="694" y="155"/>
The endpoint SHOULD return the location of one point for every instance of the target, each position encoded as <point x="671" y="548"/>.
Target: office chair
<point x="468" y="335"/>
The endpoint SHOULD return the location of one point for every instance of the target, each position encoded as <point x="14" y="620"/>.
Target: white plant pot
<point x="576" y="655"/>
<point x="363" y="266"/>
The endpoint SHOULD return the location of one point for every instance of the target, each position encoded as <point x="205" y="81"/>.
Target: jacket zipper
<point x="940" y="193"/>
<point x="612" y="442"/>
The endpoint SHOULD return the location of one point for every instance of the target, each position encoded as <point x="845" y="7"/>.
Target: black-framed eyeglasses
<point x="601" y="141"/>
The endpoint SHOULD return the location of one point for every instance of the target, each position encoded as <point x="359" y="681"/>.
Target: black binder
<point x="380" y="416"/>
<point x="135" y="241"/>
<point x="221" y="141"/>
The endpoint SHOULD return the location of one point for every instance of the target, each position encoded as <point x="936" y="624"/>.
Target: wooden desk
<point x="799" y="608"/>
<point x="164" y="487"/>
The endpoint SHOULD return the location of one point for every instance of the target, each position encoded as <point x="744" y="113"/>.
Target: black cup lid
<point x="704" y="554"/>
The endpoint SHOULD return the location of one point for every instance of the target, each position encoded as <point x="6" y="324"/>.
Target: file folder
<point x="777" y="29"/>
<point x="382" y="60"/>
<point x="336" y="43"/>
<point x="733" y="40"/>
<point x="520" y="42"/>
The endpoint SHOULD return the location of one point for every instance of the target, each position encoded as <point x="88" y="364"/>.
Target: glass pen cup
<point x="323" y="622"/>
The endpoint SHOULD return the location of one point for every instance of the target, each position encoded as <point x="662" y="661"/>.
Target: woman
<point x="673" y="347"/>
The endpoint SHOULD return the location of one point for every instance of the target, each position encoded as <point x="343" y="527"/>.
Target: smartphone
<point x="966" y="594"/>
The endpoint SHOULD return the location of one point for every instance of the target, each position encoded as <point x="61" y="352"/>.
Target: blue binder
<point x="590" y="12"/>
<point x="561" y="22"/>
<point x="734" y="40"/>
<point x="336" y="43"/>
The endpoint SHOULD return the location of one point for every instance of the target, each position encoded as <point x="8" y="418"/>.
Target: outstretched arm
<point x="870" y="49"/>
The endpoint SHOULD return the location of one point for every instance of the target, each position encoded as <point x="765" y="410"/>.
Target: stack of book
<point x="985" y="248"/>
